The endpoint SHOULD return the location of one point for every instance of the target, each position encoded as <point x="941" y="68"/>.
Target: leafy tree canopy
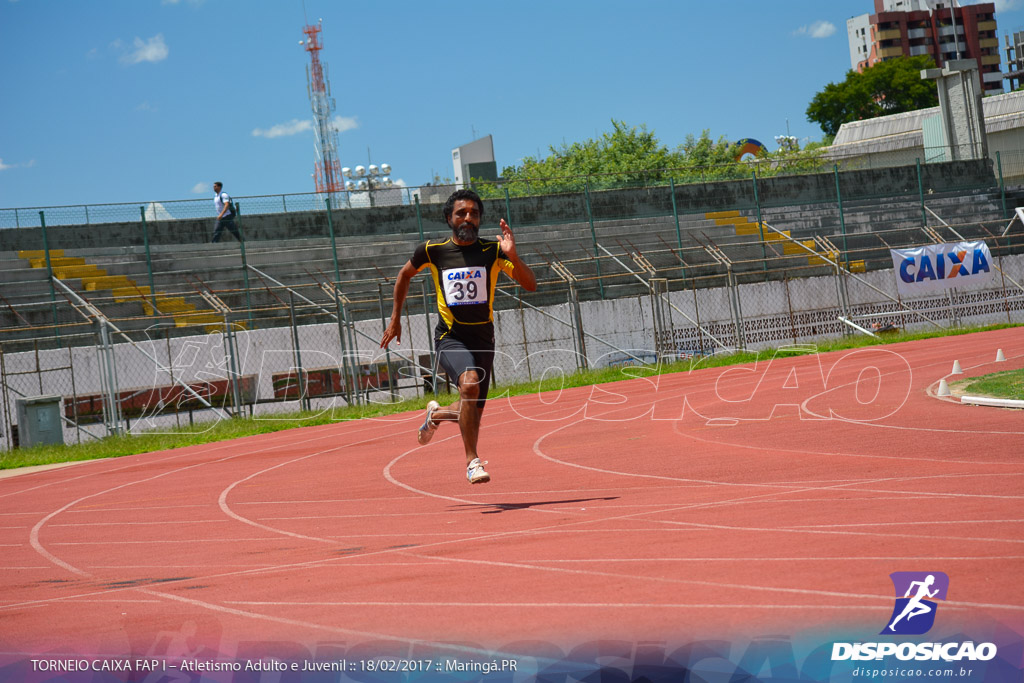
<point x="620" y="156"/>
<point x="890" y="87"/>
<point x="629" y="156"/>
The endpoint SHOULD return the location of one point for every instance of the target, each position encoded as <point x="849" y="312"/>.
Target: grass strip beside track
<point x="208" y="432"/>
<point x="1008" y="384"/>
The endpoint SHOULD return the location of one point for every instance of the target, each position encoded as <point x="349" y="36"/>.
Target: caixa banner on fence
<point x="938" y="267"/>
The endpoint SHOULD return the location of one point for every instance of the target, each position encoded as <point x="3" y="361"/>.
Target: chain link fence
<point x="164" y="371"/>
<point x="159" y="334"/>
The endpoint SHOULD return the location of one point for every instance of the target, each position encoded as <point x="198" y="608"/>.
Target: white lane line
<point x="4" y="569"/>
<point x="176" y="522"/>
<point x="558" y="605"/>
<point x="336" y="538"/>
<point x="717" y="585"/>
<point x="838" y="558"/>
<point x="366" y="635"/>
<point x="165" y="541"/>
<point x="845" y="532"/>
<point x="925" y="522"/>
<point x="35" y="532"/>
<point x="454" y="499"/>
<point x="873" y="456"/>
<point x="222" y="499"/>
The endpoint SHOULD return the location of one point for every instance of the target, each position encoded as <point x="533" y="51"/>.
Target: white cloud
<point x="819" y="29"/>
<point x="343" y="123"/>
<point x="28" y="164"/>
<point x="146" y="106"/>
<point x="1006" y="5"/>
<point x="296" y="126"/>
<point x="202" y="188"/>
<point x="152" y="50"/>
<point x="293" y="127"/>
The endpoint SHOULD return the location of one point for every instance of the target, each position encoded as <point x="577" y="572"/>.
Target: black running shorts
<point x="455" y="358"/>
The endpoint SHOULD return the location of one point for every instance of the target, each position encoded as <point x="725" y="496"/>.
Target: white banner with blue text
<point x="938" y="267"/>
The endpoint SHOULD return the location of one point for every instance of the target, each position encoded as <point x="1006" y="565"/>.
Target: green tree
<point x="889" y="87"/>
<point x="625" y="155"/>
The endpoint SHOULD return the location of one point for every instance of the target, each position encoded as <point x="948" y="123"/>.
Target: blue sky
<point x="143" y="100"/>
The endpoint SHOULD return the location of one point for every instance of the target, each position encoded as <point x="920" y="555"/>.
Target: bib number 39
<point x="465" y="285"/>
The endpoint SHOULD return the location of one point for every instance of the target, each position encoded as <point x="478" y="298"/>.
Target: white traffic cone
<point x="956" y="368"/>
<point x="943" y="388"/>
<point x="1000" y="358"/>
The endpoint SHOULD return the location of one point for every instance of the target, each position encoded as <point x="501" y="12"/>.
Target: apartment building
<point x="939" y="28"/>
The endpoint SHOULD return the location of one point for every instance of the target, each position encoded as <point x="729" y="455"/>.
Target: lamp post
<point x="362" y="179"/>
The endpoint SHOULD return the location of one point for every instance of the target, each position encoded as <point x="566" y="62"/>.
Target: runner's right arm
<point x="394" y="329"/>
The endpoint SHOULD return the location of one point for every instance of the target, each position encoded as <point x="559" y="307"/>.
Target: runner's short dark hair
<point x="449" y="206"/>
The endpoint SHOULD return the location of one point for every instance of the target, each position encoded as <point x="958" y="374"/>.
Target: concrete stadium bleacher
<point x="183" y="270"/>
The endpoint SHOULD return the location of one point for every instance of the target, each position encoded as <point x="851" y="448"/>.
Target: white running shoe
<point x="476" y="472"/>
<point x="428" y="428"/>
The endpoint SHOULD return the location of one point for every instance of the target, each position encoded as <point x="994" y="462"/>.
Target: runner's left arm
<point x="521" y="272"/>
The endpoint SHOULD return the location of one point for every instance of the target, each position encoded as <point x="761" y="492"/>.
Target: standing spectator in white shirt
<point x="225" y="213"/>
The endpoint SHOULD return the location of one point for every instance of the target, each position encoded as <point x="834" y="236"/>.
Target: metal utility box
<point x="39" y="420"/>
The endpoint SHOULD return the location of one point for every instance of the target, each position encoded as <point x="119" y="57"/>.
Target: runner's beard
<point x="466" y="232"/>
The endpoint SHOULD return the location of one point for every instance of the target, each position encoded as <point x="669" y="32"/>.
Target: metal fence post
<point x="345" y="374"/>
<point x="387" y="349"/>
<point x="841" y="299"/>
<point x="508" y="206"/>
<point x="303" y="399"/>
<point x="760" y="225"/>
<point x="245" y="263"/>
<point x="419" y="217"/>
<point x="149" y="260"/>
<point x="351" y="358"/>
<point x="526" y="347"/>
<point x="696" y="315"/>
<point x="593" y="234"/>
<point x="334" y="244"/>
<point x="430" y="337"/>
<point x="663" y="346"/>
<point x="49" y="274"/>
<point x="842" y="218"/>
<point x="920" y="193"/>
<point x="579" y="340"/>
<point x="675" y="212"/>
<point x="108" y="381"/>
<point x="1002" y="185"/>
<point x="231" y="349"/>
<point x="737" y="313"/>
<point x="7" y="435"/>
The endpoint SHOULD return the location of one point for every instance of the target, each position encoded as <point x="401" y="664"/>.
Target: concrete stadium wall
<point x="538" y="210"/>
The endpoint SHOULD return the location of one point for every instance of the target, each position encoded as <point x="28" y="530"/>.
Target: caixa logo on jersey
<point x="916" y="595"/>
<point x="938" y="267"/>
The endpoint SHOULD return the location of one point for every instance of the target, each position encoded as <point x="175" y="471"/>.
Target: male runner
<point x="465" y="271"/>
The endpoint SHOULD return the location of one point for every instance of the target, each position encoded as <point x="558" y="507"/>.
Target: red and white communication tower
<point x="327" y="169"/>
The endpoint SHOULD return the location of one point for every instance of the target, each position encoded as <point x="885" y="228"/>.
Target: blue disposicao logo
<point x="916" y="595"/>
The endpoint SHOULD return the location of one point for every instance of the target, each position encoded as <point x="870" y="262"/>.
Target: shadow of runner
<point x="494" y="508"/>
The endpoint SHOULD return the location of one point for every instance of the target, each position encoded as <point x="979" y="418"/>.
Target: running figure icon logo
<point x="914" y="612"/>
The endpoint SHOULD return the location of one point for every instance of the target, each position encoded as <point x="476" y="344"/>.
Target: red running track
<point x="736" y="501"/>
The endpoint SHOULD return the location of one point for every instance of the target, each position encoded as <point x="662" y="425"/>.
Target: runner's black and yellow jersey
<point x="465" y="278"/>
